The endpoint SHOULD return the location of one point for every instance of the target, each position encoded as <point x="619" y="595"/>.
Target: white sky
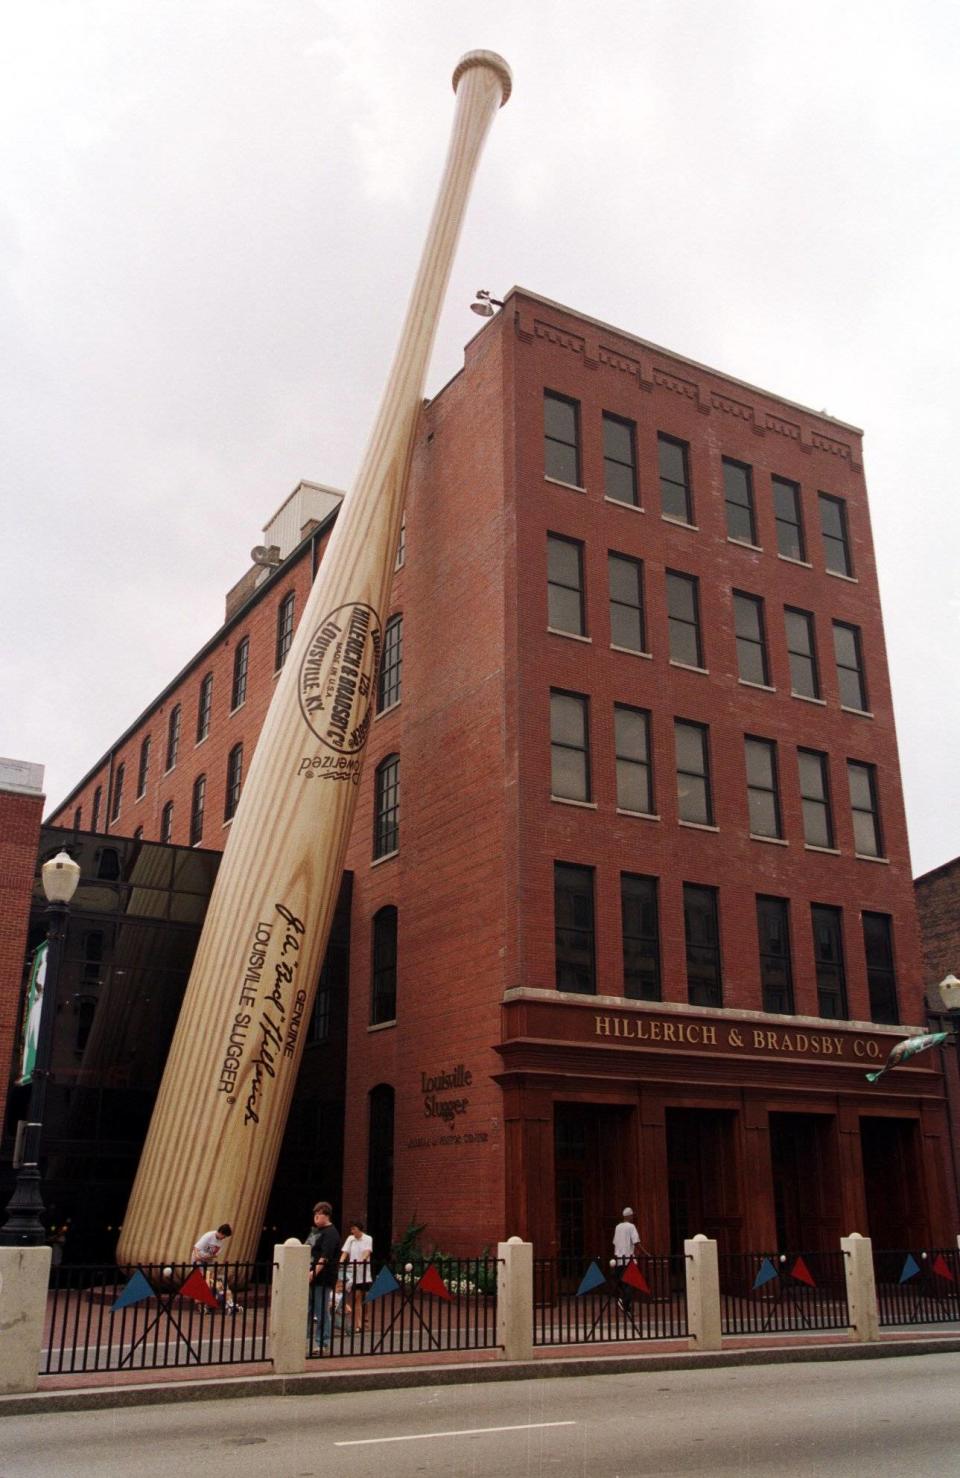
<point x="210" y="217"/>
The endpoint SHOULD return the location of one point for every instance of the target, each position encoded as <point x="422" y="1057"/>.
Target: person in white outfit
<point x="626" y="1238"/>
<point x="356" y="1255"/>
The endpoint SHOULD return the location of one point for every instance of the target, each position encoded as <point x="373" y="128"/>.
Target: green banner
<point x="33" y="1006"/>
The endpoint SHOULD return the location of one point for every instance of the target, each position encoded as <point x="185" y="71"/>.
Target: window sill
<point x="789" y="559"/>
<point x="773" y="841"/>
<point x="640" y="815"/>
<point x="761" y="687"/>
<point x="382" y="712"/>
<point x="633" y="507"/>
<point x="745" y="544"/>
<point x="865" y="857"/>
<point x="228" y="820"/>
<point x="826" y="851"/>
<point x="564" y="800"/>
<point x="687" y="666"/>
<point x="858" y="712"/>
<point x="571" y="635"/>
<point x="631" y="651"/>
<point x="386" y="857"/>
<point x="680" y="523"/>
<point x="139" y="796"/>
<point x="202" y="741"/>
<point x="382" y="1026"/>
<point x="697" y="825"/>
<point x="802" y="698"/>
<point x="573" y="487"/>
<point x="169" y="770"/>
<point x="237" y="709"/>
<point x="836" y="575"/>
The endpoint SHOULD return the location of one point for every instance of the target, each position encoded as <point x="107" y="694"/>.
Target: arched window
<point x="234" y="781"/>
<point x="97" y="799"/>
<point x="284" y="629"/>
<point x="173" y="736"/>
<point x="117" y="791"/>
<point x="196" y="809"/>
<point x="144" y="767"/>
<point x="386" y="807"/>
<point x="166" y="822"/>
<point x="383" y="1002"/>
<point x="204" y="707"/>
<point x="388" y="683"/>
<point x="241" y="665"/>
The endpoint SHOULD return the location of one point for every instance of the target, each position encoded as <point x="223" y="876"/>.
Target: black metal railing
<point x="782" y="1293"/>
<point x="918" y="1287"/>
<point x="447" y="1303"/>
<point x="152" y="1317"/>
<point x="604" y="1300"/>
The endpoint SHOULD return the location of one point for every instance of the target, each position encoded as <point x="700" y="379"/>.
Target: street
<point x="839" y="1420"/>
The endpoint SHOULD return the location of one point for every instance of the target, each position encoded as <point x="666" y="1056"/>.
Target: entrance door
<point x="806" y="1181"/>
<point x="896" y="1210"/>
<point x="593" y="1154"/>
<point x="704" y="1184"/>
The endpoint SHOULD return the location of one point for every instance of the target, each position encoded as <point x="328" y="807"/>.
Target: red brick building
<point x="21" y="810"/>
<point x="632" y="910"/>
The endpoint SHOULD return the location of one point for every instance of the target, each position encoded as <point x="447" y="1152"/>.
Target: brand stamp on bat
<point x="337" y="677"/>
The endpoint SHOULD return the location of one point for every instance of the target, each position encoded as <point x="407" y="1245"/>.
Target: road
<point x="839" y="1420"/>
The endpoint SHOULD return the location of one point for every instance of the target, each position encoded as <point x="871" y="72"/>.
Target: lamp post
<point x="24" y="1224"/>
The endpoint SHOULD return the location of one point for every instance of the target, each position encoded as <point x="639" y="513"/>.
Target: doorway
<point x="805" y="1164"/>
<point x="893" y="1183"/>
<point x="703" y="1177"/>
<point x="595" y="1177"/>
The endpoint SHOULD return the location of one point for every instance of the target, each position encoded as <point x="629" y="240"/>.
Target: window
<point x="284" y="630"/>
<point x="641" y="937"/>
<point x="144" y="767"/>
<point x="850" y="679"/>
<point x="77" y="818"/>
<point x="693" y="773"/>
<point x="675" y="501"/>
<point x="801" y="646"/>
<point x="388" y="682"/>
<point x="627" y="626"/>
<point x="118" y="791"/>
<point x="196" y="809"/>
<point x="881" y="980"/>
<point x="862" y="779"/>
<point x="561" y="429"/>
<point x="383" y="999"/>
<point x="574" y="929"/>
<point x="619" y="460"/>
<point x="402" y="543"/>
<point x="322" y="1012"/>
<point x="763" y="798"/>
<point x="815" y="798"/>
<point x="634" y="776"/>
<point x="828" y="960"/>
<point x="97" y="801"/>
<point x="702" y="932"/>
<point x="786" y="507"/>
<point x="386" y="807"/>
<point x="138" y="834"/>
<point x="204" y="707"/>
<point x="738" y="496"/>
<point x="234" y="782"/>
<point x="773" y="934"/>
<point x="166" y="822"/>
<point x="569" y="746"/>
<point x="241" y="665"/>
<point x="836" y="543"/>
<point x="565" y="585"/>
<point x="751" y="639"/>
<point x="683" y="617"/>
<point x="173" y="736"/>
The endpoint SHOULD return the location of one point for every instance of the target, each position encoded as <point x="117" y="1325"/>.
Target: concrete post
<point x="515" y="1299"/>
<point x="288" y="1307"/>
<point x="24" y="1279"/>
<point x="703" y="1293"/>
<point x="861" y="1287"/>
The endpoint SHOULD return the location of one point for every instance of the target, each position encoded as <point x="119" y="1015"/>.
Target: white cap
<point x="627" y="1211"/>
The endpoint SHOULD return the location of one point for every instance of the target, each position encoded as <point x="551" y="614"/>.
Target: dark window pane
<point x="693" y="781"/>
<point x="762" y="790"/>
<point x="565" y="585"/>
<point x="561" y="439"/>
<point x="284" y="630"/>
<point x="701" y="929"/>
<point x="751" y="644"/>
<point x="641" y="938"/>
<point x="863" y="804"/>
<point x="204" y="707"/>
<point x="626" y="602"/>
<point x="846" y="645"/>
<point x="786" y="504"/>
<point x="386" y="807"/>
<point x="684" y="619"/>
<point x="241" y="663"/>
<point x="674" y="479"/>
<point x="619" y="460"/>
<point x="388" y="683"/>
<point x="383" y="1005"/>
<point x="634" y="780"/>
<point x="773" y="933"/>
<point x="836" y="544"/>
<point x="738" y="497"/>
<point x="881" y="979"/>
<point x="828" y="960"/>
<point x="574" y="928"/>
<point x="804" y="678"/>
<point x="569" y="748"/>
<point x="173" y="736"/>
<point x="815" y="798"/>
<point x="234" y="781"/>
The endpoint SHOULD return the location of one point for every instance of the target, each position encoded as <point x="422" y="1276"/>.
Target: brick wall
<point x="20" y="817"/>
<point x="938" y="908"/>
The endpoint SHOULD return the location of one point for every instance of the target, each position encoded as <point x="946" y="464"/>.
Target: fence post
<point x="861" y="1287"/>
<point x="703" y="1293"/>
<point x="288" y="1307"/>
<point x="515" y="1299"/>
<point x="24" y="1280"/>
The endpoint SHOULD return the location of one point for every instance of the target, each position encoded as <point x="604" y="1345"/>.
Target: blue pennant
<point x="592" y="1278"/>
<point x="910" y="1268"/>
<point x="766" y="1274"/>
<point x="383" y="1283"/>
<point x="135" y="1292"/>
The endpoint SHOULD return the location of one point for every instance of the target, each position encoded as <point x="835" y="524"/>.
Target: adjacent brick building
<point x="631" y="907"/>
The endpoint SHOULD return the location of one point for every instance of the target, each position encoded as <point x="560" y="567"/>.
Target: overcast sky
<point x="210" y="217"/>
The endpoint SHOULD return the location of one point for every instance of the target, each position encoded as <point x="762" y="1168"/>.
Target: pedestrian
<point x="205" y="1253"/>
<point x="355" y="1258"/>
<point x="323" y="1240"/>
<point x="626" y="1240"/>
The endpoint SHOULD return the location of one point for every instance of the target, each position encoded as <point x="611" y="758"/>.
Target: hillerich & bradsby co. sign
<point x="740" y="1037"/>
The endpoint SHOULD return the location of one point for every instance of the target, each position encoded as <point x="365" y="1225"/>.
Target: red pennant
<point x="197" y="1288"/>
<point x="431" y="1282"/>
<point x="802" y="1273"/>
<point x="939" y="1266"/>
<point x="632" y="1275"/>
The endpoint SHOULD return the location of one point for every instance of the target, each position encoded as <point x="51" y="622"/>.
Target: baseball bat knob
<point x="489" y="59"/>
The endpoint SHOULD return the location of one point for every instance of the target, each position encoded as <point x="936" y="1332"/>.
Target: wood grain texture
<point x="215" y="1134"/>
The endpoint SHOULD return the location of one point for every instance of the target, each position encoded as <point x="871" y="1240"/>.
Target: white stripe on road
<point x="466" y="1432"/>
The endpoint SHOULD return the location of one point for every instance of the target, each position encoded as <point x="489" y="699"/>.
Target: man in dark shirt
<point x="324" y="1244"/>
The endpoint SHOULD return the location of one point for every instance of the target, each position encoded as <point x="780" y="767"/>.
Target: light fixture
<point x="60" y="876"/>
<point x="949" y="989"/>
<point x="485" y="305"/>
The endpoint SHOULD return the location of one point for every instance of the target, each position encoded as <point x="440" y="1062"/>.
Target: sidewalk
<point x="91" y="1392"/>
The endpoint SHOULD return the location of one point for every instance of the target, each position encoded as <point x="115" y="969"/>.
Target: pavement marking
<point x="465" y="1432"/>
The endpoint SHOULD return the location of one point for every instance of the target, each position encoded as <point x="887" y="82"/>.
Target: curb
<point x="334" y="1383"/>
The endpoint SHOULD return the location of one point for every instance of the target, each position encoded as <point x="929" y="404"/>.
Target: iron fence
<point x="921" y="1287"/>
<point x="607" y="1300"/>
<point x="447" y="1303"/>
<point x="782" y="1293"/>
<point x="152" y="1317"/>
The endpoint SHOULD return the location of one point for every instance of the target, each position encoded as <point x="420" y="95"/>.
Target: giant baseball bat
<point x="215" y="1134"/>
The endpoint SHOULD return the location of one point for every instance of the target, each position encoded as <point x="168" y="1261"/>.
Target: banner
<point x="33" y="1007"/>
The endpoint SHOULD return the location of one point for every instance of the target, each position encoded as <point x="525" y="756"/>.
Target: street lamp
<point x="24" y="1224"/>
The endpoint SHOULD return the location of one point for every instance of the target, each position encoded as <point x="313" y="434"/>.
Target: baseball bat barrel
<point x="212" y="1146"/>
